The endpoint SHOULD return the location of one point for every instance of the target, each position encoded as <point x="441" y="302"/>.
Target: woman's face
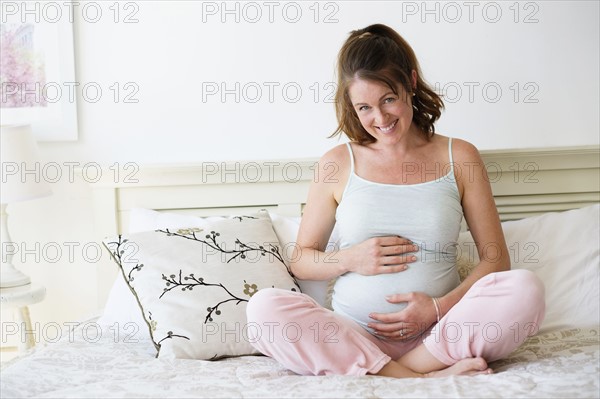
<point x="383" y="114"/>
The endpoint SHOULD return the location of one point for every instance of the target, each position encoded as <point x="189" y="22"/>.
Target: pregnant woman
<point x="397" y="192"/>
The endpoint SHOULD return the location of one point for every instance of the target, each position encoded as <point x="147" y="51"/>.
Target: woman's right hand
<point x="378" y="255"/>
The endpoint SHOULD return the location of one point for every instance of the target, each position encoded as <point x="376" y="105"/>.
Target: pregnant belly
<point x="356" y="296"/>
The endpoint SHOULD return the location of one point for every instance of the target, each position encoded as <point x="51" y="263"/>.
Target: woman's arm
<point x="482" y="218"/>
<point x="309" y="260"/>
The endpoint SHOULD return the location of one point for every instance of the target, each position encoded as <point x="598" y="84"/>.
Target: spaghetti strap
<point x="450" y="154"/>
<point x="351" y="158"/>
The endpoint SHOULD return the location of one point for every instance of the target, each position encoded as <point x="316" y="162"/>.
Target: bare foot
<point x="474" y="366"/>
<point x="397" y="370"/>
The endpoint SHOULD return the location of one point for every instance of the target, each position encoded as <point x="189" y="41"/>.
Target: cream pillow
<point x="121" y="309"/>
<point x="563" y="250"/>
<point x="193" y="284"/>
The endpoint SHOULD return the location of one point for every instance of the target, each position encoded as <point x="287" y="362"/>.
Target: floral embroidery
<point x="244" y="217"/>
<point x="152" y="322"/>
<point x="211" y="241"/>
<point x="117" y="252"/>
<point x="170" y="335"/>
<point x="187" y="283"/>
<point x="250" y="289"/>
<point x="190" y="230"/>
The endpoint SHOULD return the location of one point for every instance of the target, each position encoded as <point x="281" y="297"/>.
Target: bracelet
<point x="437" y="308"/>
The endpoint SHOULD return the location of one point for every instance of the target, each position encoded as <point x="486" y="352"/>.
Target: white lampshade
<point x="20" y="159"/>
<point x="22" y="180"/>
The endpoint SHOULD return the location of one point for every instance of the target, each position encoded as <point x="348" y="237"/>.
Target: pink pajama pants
<point x="492" y="319"/>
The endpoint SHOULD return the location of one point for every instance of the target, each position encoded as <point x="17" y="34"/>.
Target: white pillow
<point x="193" y="283"/>
<point x="563" y="250"/>
<point x="122" y="311"/>
<point x="141" y="219"/>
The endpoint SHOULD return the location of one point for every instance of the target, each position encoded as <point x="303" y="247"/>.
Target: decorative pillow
<point x="121" y="309"/>
<point x="562" y="249"/>
<point x="192" y="284"/>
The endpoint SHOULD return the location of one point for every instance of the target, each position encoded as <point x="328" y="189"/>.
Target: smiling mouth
<point x="388" y="128"/>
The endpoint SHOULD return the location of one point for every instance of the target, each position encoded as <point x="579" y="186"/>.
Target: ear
<point x="414" y="79"/>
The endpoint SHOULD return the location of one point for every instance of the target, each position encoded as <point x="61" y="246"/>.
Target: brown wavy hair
<point x="378" y="53"/>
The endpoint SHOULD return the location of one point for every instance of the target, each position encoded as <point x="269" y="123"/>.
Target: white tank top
<point x="428" y="213"/>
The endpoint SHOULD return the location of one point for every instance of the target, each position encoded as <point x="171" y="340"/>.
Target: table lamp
<point x="19" y="155"/>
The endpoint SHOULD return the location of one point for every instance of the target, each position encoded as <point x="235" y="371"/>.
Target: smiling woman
<point x="395" y="292"/>
<point x="379" y="109"/>
<point x="381" y="56"/>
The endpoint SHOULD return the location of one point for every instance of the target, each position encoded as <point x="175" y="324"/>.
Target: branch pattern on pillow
<point x="187" y="282"/>
<point x="117" y="252"/>
<point x="191" y="281"/>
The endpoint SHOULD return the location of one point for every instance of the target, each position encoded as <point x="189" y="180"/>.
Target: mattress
<point x="562" y="363"/>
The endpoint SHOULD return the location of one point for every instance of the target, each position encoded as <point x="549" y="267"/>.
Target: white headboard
<point x="203" y="189"/>
<point x="524" y="182"/>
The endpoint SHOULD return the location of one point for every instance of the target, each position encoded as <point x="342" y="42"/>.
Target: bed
<point x="548" y="203"/>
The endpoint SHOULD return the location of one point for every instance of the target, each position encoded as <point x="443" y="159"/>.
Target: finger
<point x="397" y="298"/>
<point x="398" y="249"/>
<point x="386" y="327"/>
<point x="387" y="318"/>
<point x="391" y="336"/>
<point x="393" y="240"/>
<point x="395" y="335"/>
<point x="383" y="317"/>
<point x="397" y="259"/>
<point x="390" y="269"/>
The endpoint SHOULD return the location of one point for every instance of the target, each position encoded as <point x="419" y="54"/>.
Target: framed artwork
<point x="37" y="75"/>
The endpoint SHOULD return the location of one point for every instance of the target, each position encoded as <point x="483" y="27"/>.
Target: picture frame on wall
<point x="37" y="74"/>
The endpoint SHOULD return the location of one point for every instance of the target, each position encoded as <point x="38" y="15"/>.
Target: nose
<point x="379" y="116"/>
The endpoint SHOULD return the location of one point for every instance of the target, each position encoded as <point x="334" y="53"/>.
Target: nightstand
<point x="18" y="300"/>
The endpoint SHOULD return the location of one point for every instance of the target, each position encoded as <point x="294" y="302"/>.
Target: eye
<point x="363" y="107"/>
<point x="389" y="100"/>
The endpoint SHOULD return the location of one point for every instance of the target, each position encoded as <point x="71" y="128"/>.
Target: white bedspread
<point x="557" y="364"/>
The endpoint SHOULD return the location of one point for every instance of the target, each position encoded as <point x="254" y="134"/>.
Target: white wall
<point x="173" y="57"/>
<point x="178" y="48"/>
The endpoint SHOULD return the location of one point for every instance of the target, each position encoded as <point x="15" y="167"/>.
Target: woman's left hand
<point x="416" y="317"/>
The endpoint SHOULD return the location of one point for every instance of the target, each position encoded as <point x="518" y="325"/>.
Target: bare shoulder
<point x="468" y="165"/>
<point x="333" y="170"/>
<point x="318" y="218"/>
<point x="463" y="151"/>
<point x="338" y="154"/>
